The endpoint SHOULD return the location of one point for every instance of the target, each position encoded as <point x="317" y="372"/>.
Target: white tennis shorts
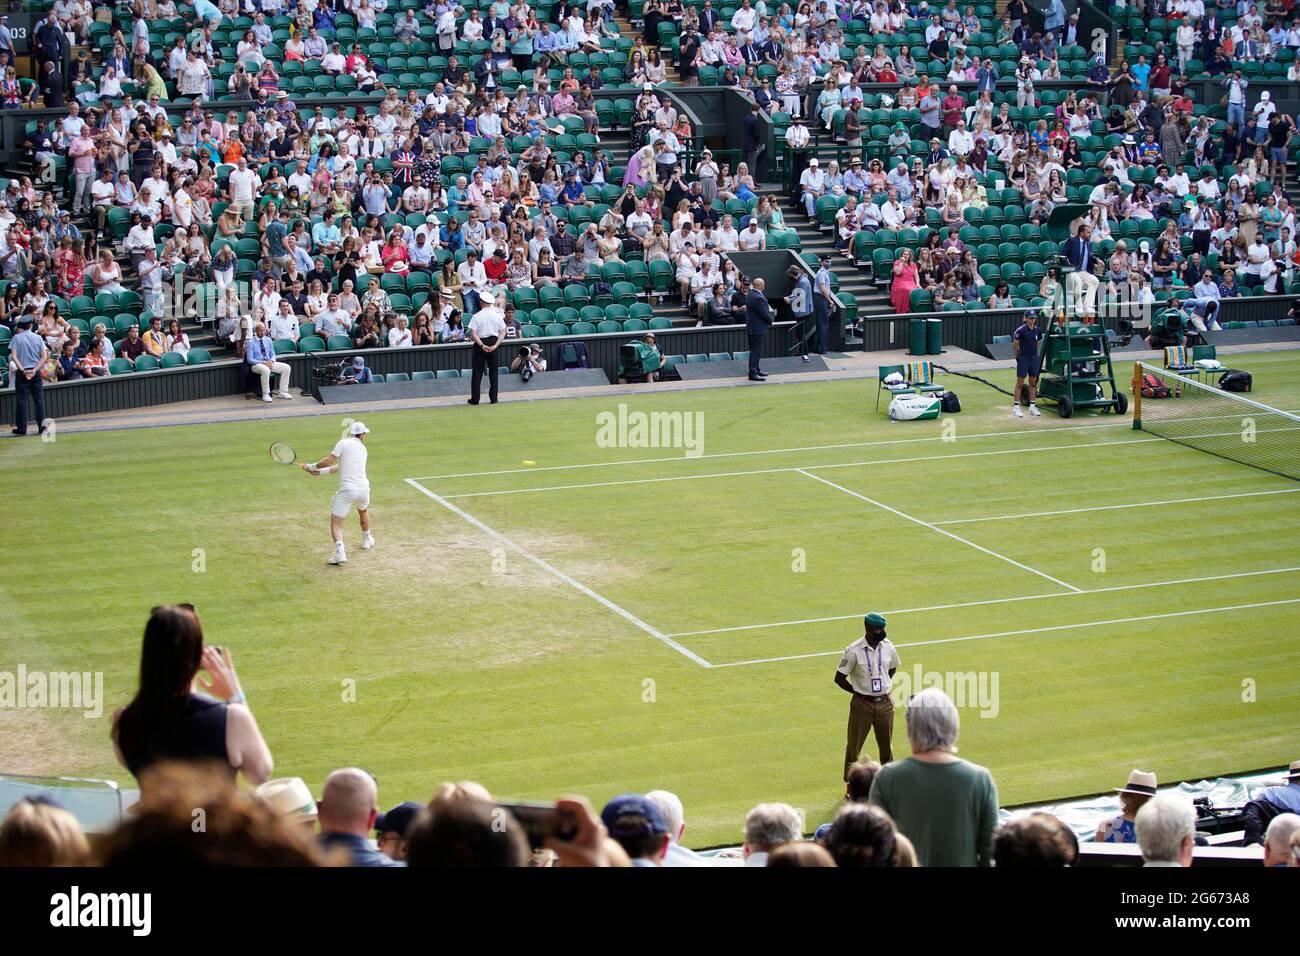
<point x="347" y="496"/>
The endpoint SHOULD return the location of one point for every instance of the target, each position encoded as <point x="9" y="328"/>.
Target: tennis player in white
<point x="349" y="459"/>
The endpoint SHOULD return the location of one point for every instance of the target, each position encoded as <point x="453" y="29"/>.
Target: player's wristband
<point x="238" y="699"/>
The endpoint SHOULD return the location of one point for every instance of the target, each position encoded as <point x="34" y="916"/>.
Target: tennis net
<point x="1221" y="423"/>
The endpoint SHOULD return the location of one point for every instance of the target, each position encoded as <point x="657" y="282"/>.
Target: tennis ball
<point x="528" y="461"/>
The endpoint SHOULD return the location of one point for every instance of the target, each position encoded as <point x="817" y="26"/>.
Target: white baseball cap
<point x="357" y="428"/>
<point x="486" y="298"/>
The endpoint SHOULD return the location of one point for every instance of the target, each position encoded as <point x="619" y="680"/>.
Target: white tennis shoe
<point x="338" y="557"/>
<point x="367" y="542"/>
<point x="1015" y="411"/>
<point x="1033" y="409"/>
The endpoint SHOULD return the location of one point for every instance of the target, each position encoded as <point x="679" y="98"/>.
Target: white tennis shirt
<point x="351" y="454"/>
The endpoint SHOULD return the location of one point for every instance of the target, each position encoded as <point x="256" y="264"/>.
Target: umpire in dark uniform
<point x="758" y="319"/>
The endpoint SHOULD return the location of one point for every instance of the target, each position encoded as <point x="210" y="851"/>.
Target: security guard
<point x="866" y="671"/>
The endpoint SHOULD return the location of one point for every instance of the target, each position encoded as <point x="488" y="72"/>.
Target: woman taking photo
<point x="168" y="720"/>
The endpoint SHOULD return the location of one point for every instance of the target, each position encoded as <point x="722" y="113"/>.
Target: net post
<point x="1137" y="396"/>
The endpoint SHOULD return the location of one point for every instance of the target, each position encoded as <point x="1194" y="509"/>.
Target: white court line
<point x="1137" y="504"/>
<point x="767" y="451"/>
<point x="776" y="451"/>
<point x="947" y="534"/>
<point x="577" y="585"/>
<point x="1005" y="600"/>
<point x="774" y="471"/>
<point x="1032" y="630"/>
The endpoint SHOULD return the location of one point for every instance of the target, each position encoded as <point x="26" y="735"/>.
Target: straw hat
<point x="1144" y="784"/>
<point x="288" y="797"/>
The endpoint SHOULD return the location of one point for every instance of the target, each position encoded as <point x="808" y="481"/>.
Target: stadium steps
<point x="852" y="279"/>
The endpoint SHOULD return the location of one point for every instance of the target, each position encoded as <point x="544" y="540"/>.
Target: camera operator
<point x="649" y="341"/>
<point x="355" y="373"/>
<point x="1167" y="330"/>
<point x="528" y="362"/>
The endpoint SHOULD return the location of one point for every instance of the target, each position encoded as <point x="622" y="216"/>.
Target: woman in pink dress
<point x="70" y="268"/>
<point x="900" y="293"/>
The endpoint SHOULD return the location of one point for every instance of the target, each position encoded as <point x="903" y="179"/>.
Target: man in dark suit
<point x="49" y="42"/>
<point x="1081" y="282"/>
<point x="758" y="319"/>
<point x="708" y="17"/>
<point x="754" y="146"/>
<point x="52" y="86"/>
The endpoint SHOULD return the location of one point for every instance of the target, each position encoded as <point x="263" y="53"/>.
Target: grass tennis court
<point x="611" y="619"/>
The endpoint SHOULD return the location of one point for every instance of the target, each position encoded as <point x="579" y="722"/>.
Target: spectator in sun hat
<point x="291" y="799"/>
<point x="636" y="823"/>
<point x="392" y="827"/>
<point x="1269" y="802"/>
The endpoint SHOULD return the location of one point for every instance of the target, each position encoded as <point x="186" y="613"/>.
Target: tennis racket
<point x="282" y="453"/>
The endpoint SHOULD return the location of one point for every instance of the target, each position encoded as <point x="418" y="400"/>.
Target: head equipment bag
<point x="910" y="408"/>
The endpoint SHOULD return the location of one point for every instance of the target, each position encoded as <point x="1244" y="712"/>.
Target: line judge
<point x="866" y="671"/>
<point x="487" y="331"/>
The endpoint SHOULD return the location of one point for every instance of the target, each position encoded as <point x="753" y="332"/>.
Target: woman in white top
<point x="106" y="275"/>
<point x="249" y="50"/>
<point x="683" y="216"/>
<point x="687" y="265"/>
<point x="317" y="300"/>
<point x="473" y="29"/>
<point x="177" y="341"/>
<point x="399" y="337"/>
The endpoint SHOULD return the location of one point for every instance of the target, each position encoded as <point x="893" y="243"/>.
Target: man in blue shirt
<point x="546" y="45"/>
<point x="823" y="303"/>
<point x="259" y="355"/>
<point x="572" y="191"/>
<point x="801" y="304"/>
<point x="1024" y="343"/>
<point x="29" y="352"/>
<point x="326" y="236"/>
<point x="273" y="241"/>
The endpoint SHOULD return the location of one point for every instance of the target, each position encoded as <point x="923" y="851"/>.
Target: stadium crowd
<point x="189" y="732"/>
<point x="384" y="225"/>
